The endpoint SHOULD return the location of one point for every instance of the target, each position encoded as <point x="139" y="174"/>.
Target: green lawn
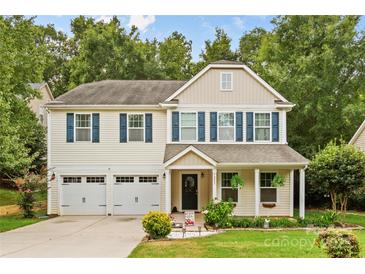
<point x="10" y="222"/>
<point x="246" y="244"/>
<point x="9" y="196"/>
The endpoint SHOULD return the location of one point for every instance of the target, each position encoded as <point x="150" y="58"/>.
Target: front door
<point x="189" y="191"/>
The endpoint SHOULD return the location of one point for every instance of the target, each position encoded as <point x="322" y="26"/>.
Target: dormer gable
<point x="228" y="82"/>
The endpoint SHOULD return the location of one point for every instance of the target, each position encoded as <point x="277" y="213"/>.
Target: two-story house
<point x="358" y="139"/>
<point x="127" y="147"/>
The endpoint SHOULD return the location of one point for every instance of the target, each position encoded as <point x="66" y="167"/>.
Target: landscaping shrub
<point x="157" y="224"/>
<point x="218" y="213"/>
<point x="283" y="222"/>
<point x="31" y="184"/>
<point x="25" y="201"/>
<point x="321" y="220"/>
<point x="258" y="222"/>
<point x="339" y="244"/>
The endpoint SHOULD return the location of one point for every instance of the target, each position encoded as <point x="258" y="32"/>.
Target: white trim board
<point x="244" y="67"/>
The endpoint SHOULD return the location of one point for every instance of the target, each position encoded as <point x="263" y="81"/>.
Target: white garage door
<point x="83" y="195"/>
<point x="136" y="194"/>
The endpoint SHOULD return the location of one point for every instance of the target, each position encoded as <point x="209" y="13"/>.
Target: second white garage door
<point x="135" y="194"/>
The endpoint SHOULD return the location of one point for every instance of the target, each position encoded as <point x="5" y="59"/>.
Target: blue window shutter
<point x="239" y="127"/>
<point x="70" y="127"/>
<point x="201" y="126"/>
<point x="175" y="126"/>
<point x="148" y="127"/>
<point x="275" y="126"/>
<point x="96" y="127"/>
<point x="213" y="126"/>
<point x="249" y="128"/>
<point x="123" y="127"/>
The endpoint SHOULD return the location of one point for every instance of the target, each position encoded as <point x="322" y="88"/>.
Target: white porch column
<point x="168" y="190"/>
<point x="301" y="193"/>
<point x="214" y="184"/>
<point x="291" y="192"/>
<point x="257" y="192"/>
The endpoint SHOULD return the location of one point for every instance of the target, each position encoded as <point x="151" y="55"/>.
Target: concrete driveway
<point x="74" y="236"/>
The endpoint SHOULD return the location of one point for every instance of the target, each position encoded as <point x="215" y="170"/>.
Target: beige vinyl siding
<point x="360" y="141"/>
<point x="246" y="90"/>
<point x="109" y="150"/>
<point x="54" y="198"/>
<point x="190" y="159"/>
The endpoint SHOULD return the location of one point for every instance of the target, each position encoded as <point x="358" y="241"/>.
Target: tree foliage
<point x="22" y="61"/>
<point x="337" y="170"/>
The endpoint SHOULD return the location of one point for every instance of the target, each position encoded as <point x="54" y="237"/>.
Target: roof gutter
<point x="299" y="164"/>
<point x="64" y="106"/>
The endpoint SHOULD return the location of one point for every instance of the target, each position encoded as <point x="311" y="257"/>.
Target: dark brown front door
<point x="189" y="191"/>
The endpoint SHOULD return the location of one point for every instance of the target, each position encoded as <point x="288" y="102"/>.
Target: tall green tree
<point x="218" y="49"/>
<point x="317" y="63"/>
<point x="175" y="56"/>
<point x="22" y="61"/>
<point x="105" y="51"/>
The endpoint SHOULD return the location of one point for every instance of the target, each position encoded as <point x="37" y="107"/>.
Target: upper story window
<point x="226" y="126"/>
<point x="268" y="192"/>
<point x="136" y="127"/>
<point x="262" y="126"/>
<point x="188" y="126"/>
<point x="226" y="81"/>
<point x="83" y="127"/>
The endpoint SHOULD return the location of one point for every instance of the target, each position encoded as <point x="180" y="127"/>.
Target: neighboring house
<point x="130" y="146"/>
<point x="37" y="105"/>
<point x="359" y="137"/>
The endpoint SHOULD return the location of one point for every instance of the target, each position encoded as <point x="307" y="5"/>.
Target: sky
<point x="195" y="28"/>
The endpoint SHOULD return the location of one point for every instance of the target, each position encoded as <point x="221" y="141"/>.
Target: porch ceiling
<point x="242" y="153"/>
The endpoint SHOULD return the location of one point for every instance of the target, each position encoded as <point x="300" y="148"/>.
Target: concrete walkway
<point x="74" y="237"/>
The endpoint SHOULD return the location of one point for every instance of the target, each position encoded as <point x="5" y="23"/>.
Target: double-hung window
<point x="228" y="194"/>
<point x="136" y="127"/>
<point x="262" y="126"/>
<point x="226" y="126"/>
<point x="83" y="127"/>
<point x="188" y="126"/>
<point x="268" y="193"/>
<point x="226" y="81"/>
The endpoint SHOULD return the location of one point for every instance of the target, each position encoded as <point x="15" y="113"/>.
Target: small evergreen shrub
<point x="339" y="244"/>
<point x="157" y="224"/>
<point x="218" y="213"/>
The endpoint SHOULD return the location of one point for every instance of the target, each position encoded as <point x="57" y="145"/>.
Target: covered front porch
<point x="193" y="178"/>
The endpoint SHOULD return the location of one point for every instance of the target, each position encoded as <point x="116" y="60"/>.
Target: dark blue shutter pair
<point x="123" y="127"/>
<point x="70" y="127"/>
<point x="275" y="126"/>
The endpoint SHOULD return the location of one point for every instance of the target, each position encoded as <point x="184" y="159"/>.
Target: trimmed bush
<point x="157" y="224"/>
<point x="339" y="244"/>
<point x="218" y="213"/>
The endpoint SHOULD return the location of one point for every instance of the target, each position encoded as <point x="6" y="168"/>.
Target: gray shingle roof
<point x="242" y="153"/>
<point x="227" y="62"/>
<point x="120" y="92"/>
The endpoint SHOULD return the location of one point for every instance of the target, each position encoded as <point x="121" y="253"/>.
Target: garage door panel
<point x="83" y="198"/>
<point x="136" y="197"/>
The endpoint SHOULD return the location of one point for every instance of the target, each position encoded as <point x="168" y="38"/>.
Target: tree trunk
<point x="343" y="202"/>
<point x="334" y="200"/>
